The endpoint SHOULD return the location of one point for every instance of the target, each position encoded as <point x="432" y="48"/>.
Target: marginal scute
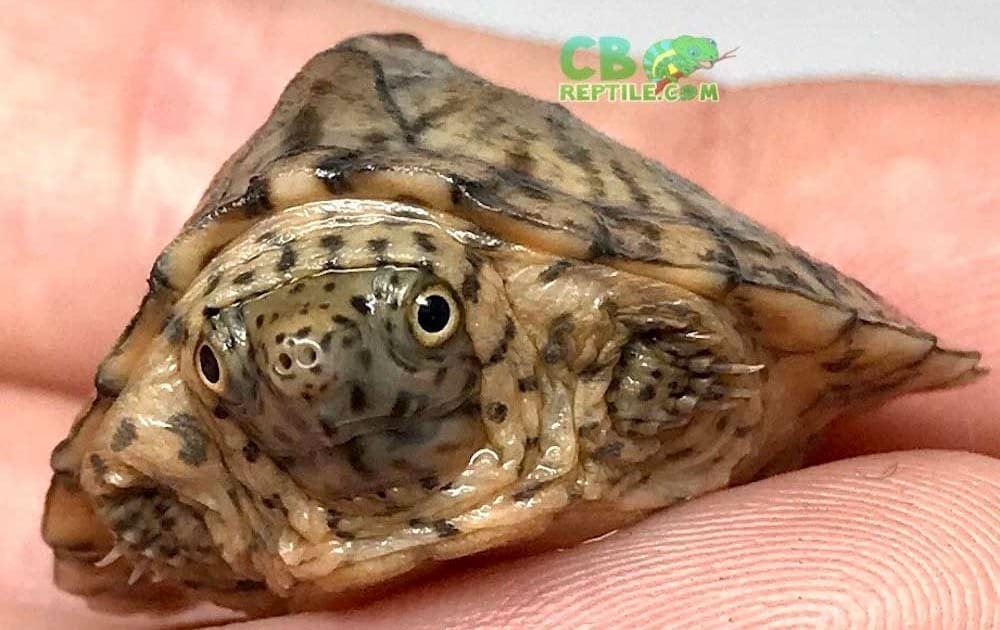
<point x="947" y="368"/>
<point x="883" y="349"/>
<point x="788" y="321"/>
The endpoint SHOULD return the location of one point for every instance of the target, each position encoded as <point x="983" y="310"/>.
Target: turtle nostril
<point x="306" y="353"/>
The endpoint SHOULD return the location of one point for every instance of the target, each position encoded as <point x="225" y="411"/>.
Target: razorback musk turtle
<point x="418" y="316"/>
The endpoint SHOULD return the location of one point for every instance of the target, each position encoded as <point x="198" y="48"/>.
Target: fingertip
<point x="893" y="540"/>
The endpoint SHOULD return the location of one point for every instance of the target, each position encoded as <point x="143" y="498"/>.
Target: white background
<point x="779" y="39"/>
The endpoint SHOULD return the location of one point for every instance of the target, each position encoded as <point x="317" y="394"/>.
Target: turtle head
<point x="335" y="368"/>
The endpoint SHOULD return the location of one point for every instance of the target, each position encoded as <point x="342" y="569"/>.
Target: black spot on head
<point x="470" y="287"/>
<point x="343" y="320"/>
<point x="324" y="341"/>
<point x="429" y="483"/>
<point x="288" y="258"/>
<point x="500" y="352"/>
<point x="647" y="393"/>
<point x="496" y="412"/>
<point x="557" y="346"/>
<point x="329" y="286"/>
<point x="333" y="243"/>
<point x="360" y="304"/>
<point x="251" y="451"/>
<point x="554" y="270"/>
<point x="124" y="435"/>
<point x="174" y="329"/>
<point x="356" y="457"/>
<point x="303" y="332"/>
<point x="424" y="241"/>
<point x="359" y="401"/>
<point x="194" y="442"/>
<point x="401" y="405"/>
<point x="378" y="245"/>
<point x="244" y="278"/>
<point x="97" y="463"/>
<point x="212" y="284"/>
<point x="259" y="321"/>
<point x="527" y="384"/>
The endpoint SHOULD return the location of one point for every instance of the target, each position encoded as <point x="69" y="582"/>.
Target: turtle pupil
<point x="433" y="314"/>
<point x="209" y="364"/>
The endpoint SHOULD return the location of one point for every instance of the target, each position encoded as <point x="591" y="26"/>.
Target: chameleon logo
<point x="668" y="60"/>
<point x="664" y="63"/>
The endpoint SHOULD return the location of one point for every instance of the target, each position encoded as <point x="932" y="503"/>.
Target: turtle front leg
<point x="665" y="386"/>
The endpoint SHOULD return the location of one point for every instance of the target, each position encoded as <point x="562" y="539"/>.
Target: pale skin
<point x="113" y="125"/>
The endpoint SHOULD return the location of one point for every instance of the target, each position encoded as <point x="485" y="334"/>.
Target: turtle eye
<point x="209" y="368"/>
<point x="434" y="316"/>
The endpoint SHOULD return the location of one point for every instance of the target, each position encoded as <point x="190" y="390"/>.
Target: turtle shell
<point x="379" y="117"/>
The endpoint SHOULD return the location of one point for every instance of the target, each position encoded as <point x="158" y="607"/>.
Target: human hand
<point x="114" y="120"/>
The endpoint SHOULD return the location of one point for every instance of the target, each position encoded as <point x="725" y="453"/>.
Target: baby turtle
<point x="418" y="316"/>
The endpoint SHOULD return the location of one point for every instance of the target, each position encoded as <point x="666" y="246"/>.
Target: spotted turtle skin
<point x="418" y="316"/>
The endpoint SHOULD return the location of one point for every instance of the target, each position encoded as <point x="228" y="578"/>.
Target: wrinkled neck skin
<point x="320" y="412"/>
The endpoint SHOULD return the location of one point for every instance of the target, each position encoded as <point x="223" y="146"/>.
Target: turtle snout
<point x="299" y="355"/>
<point x="302" y="364"/>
